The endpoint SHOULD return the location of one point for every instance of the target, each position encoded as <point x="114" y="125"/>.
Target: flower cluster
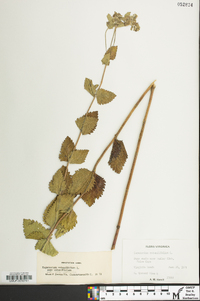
<point x="117" y="20"/>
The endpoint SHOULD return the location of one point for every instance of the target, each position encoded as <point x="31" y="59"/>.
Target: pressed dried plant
<point x="85" y="184"/>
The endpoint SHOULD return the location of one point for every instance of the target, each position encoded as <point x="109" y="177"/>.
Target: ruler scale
<point x="140" y="292"/>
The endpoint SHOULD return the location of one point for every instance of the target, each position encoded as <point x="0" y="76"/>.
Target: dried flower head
<point x="115" y="21"/>
<point x="118" y="21"/>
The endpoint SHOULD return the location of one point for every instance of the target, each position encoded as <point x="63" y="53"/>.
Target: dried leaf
<point x="64" y="203"/>
<point x="118" y="156"/>
<point x="87" y="124"/>
<point x="34" y="230"/>
<point x="58" y="184"/>
<point x="104" y="96"/>
<point x="112" y="51"/>
<point x="46" y="247"/>
<point x="66" y="149"/>
<point x="109" y="55"/>
<point x="109" y="17"/>
<point x="59" y="205"/>
<point x="50" y="214"/>
<point x="106" y="59"/>
<point x="67" y="224"/>
<point x="82" y="181"/>
<point x="68" y="178"/>
<point x="78" y="156"/>
<point x="70" y="155"/>
<point x="96" y="192"/>
<point x="88" y="85"/>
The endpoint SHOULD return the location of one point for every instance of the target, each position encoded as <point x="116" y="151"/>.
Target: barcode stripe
<point x="18" y="277"/>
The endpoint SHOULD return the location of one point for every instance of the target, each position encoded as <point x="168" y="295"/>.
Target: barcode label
<point x="19" y="277"/>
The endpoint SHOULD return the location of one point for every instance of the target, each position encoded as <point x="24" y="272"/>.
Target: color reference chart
<point x="157" y="292"/>
<point x="93" y="293"/>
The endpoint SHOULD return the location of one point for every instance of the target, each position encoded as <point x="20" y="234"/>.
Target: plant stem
<point x="101" y="82"/>
<point x="132" y="169"/>
<point x="63" y="216"/>
<point x="80" y="133"/>
<point x="122" y="126"/>
<point x="55" y="226"/>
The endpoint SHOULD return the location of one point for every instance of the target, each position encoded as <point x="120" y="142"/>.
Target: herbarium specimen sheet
<point x="99" y="103"/>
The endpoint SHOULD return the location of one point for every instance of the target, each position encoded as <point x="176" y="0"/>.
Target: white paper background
<point x="47" y="49"/>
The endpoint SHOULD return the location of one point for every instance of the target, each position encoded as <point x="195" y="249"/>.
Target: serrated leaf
<point x="59" y="205"/>
<point x="68" y="178"/>
<point x="104" y="96"/>
<point x="96" y="192"/>
<point x="71" y="155"/>
<point x="109" y="55"/>
<point x="112" y="51"/>
<point x="66" y="149"/>
<point x="78" y="156"/>
<point x="82" y="181"/>
<point x="64" y="203"/>
<point x="106" y="59"/>
<point x="34" y="230"/>
<point x="58" y="184"/>
<point x="88" y="85"/>
<point x="46" y="247"/>
<point x="50" y="214"/>
<point x="67" y="224"/>
<point x="87" y="124"/>
<point x="118" y="156"/>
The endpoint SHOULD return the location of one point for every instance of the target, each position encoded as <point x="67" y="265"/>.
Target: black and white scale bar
<point x="112" y="289"/>
<point x="134" y="289"/>
<point x="151" y="289"/>
<point x="157" y="292"/>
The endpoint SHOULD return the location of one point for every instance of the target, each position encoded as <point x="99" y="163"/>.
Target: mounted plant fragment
<point x="84" y="184"/>
<point x="118" y="156"/>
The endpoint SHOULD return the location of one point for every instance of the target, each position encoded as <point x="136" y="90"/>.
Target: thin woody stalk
<point x="132" y="169"/>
